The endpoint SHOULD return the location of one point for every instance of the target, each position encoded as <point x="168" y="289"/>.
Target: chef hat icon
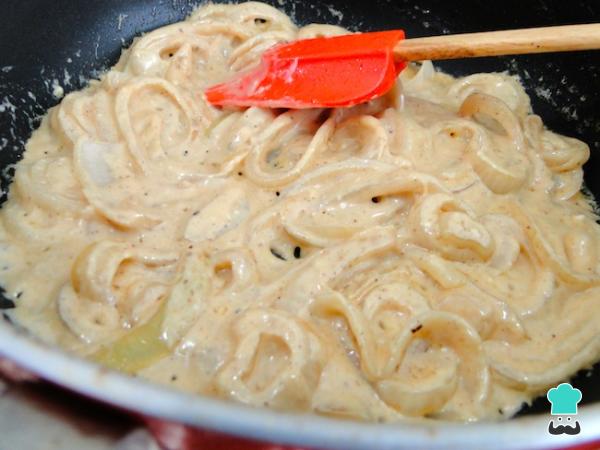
<point x="564" y="399"/>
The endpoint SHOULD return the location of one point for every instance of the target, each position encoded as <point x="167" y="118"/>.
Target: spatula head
<point x="314" y="73"/>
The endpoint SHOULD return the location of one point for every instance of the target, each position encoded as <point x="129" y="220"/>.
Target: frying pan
<point x="46" y="46"/>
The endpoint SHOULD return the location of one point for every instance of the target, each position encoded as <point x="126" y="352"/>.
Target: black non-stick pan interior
<point x="49" y="43"/>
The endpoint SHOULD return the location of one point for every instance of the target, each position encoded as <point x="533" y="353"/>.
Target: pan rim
<point x="151" y="399"/>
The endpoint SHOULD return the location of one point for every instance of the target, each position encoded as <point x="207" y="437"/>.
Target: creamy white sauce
<point x="426" y="254"/>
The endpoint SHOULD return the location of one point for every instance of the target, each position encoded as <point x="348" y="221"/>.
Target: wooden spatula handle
<point x="496" y="43"/>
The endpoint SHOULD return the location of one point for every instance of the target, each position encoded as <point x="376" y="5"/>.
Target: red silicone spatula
<point x="347" y="70"/>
